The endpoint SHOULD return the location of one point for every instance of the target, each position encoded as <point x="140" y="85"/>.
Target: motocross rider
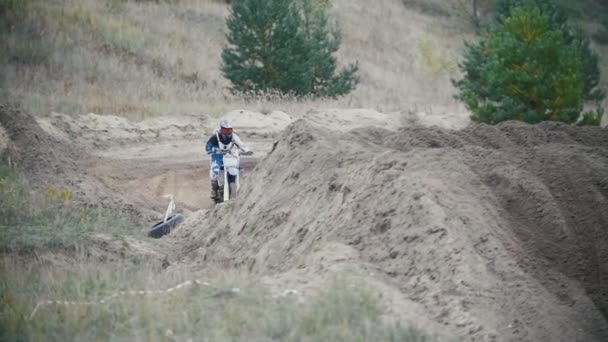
<point x="222" y="140"/>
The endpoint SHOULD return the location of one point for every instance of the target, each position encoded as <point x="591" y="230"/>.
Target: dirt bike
<point x="230" y="171"/>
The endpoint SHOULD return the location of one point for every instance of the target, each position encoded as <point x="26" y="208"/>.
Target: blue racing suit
<point x="218" y="142"/>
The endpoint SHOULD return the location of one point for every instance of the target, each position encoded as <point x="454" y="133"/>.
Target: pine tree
<point x="526" y="68"/>
<point x="284" y="46"/>
<point x="573" y="37"/>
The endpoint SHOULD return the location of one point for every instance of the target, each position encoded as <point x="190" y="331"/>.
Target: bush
<point x="573" y="37"/>
<point x="286" y="46"/>
<point x="530" y="67"/>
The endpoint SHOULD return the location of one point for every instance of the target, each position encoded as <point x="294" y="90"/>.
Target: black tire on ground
<point x="163" y="228"/>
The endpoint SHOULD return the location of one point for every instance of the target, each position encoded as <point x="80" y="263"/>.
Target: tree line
<point x="530" y="62"/>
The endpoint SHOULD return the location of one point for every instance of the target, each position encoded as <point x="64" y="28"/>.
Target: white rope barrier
<point x="168" y="291"/>
<point x="108" y="299"/>
<point x="184" y="285"/>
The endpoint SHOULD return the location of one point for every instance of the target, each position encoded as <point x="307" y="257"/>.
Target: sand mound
<point x="33" y="150"/>
<point x="102" y="131"/>
<point x="141" y="162"/>
<point x="343" y="120"/>
<point x="254" y="122"/>
<point x="487" y="233"/>
<point x="48" y="161"/>
<point x="136" y="162"/>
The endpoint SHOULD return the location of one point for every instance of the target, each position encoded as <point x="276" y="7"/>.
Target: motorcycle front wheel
<point x="232" y="188"/>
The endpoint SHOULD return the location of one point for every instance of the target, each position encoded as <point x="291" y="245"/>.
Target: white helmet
<point x="226" y="129"/>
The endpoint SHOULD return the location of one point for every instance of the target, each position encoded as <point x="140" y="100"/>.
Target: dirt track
<point x="146" y="181"/>
<point x="486" y="233"/>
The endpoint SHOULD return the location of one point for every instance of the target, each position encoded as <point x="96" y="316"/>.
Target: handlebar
<point x="224" y="152"/>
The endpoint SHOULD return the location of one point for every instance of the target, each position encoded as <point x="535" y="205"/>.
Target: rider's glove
<point x="247" y="153"/>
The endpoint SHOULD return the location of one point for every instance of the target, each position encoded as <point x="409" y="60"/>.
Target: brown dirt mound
<point x="50" y="162"/>
<point x="496" y="233"/>
<point x="106" y="131"/>
<point x="143" y="161"/>
<point x="33" y="149"/>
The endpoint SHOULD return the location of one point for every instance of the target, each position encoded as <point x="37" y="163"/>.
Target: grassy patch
<point x="22" y="40"/>
<point x="345" y="311"/>
<point x="33" y="220"/>
<point x="81" y="56"/>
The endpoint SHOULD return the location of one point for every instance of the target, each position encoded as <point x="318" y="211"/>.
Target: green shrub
<point x="286" y="46"/>
<point x="530" y="67"/>
<point x="573" y="38"/>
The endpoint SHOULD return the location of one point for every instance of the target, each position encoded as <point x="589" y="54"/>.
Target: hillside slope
<point x="483" y="233"/>
<point x="82" y="56"/>
<point x="498" y="233"/>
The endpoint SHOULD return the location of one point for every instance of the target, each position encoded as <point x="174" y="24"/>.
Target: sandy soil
<point x="485" y="233"/>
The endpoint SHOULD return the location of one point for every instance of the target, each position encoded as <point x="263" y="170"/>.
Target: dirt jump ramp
<point x="499" y="233"/>
<point x="49" y="162"/>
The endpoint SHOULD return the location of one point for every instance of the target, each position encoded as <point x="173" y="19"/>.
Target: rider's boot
<point x="214" y="188"/>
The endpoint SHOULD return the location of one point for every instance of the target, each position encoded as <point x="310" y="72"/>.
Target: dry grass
<point x="389" y="41"/>
<point x="49" y="251"/>
<point x="140" y="59"/>
<point x="347" y="310"/>
<point x="144" y="58"/>
<point x="122" y="58"/>
<point x="48" y="219"/>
